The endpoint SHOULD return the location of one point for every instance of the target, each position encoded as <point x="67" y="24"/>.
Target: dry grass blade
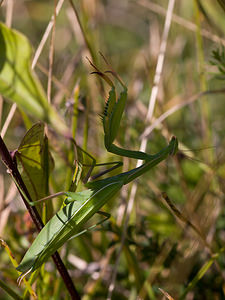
<point x="87" y="43"/>
<point x="9" y="12"/>
<point x="181" y="21"/>
<point x="51" y="56"/>
<point x="184" y="219"/>
<point x="151" y="107"/>
<point x="8" y="120"/>
<point x="46" y="34"/>
<point x="166" y="294"/>
<point x="175" y="108"/>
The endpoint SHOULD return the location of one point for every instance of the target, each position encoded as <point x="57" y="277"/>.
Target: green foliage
<point x="219" y="61"/>
<point x="161" y="249"/>
<point x="18" y="82"/>
<point x="191" y="171"/>
<point x="80" y="207"/>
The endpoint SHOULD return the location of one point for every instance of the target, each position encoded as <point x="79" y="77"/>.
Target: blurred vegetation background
<point x="159" y="250"/>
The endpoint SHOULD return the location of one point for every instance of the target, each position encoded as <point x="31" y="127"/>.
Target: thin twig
<point x="12" y="169"/>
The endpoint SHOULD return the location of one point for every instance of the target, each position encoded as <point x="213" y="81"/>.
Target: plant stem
<point x="12" y="169"/>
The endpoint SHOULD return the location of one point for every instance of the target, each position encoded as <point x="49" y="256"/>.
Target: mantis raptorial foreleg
<point x="81" y="206"/>
<point x="112" y="115"/>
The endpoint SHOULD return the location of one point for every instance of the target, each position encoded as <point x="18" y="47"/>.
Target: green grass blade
<point x="200" y="274"/>
<point x="9" y="291"/>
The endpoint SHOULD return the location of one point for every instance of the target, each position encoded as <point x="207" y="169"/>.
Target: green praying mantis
<point x="81" y="206"/>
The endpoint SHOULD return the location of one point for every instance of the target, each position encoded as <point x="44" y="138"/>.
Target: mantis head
<point x="114" y="107"/>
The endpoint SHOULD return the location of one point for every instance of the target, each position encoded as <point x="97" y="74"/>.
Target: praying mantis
<point x="81" y="206"/>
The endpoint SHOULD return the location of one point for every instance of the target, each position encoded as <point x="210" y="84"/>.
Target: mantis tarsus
<point x="81" y="206"/>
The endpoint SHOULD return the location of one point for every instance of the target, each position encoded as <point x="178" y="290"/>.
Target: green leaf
<point x="16" y="78"/>
<point x="18" y="82"/>
<point x="34" y="161"/>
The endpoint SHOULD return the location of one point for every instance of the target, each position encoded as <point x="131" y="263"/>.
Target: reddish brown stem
<point x="12" y="169"/>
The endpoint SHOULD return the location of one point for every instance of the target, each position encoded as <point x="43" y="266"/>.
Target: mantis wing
<point x="65" y="224"/>
<point x="34" y="161"/>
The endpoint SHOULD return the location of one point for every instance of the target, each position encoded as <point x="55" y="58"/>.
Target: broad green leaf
<point x="18" y="82"/>
<point x="34" y="161"/>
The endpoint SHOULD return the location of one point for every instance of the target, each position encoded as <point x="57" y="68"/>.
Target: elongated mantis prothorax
<point x="81" y="206"/>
